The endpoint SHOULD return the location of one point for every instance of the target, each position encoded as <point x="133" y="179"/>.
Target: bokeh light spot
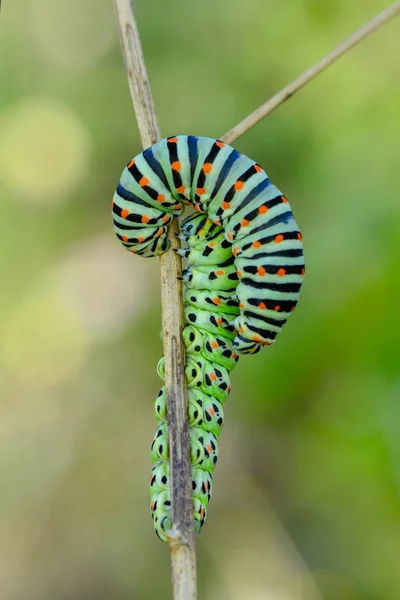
<point x="44" y="150"/>
<point x="43" y="343"/>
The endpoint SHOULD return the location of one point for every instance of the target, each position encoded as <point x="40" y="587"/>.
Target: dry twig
<point x="288" y="91"/>
<point x="181" y="537"/>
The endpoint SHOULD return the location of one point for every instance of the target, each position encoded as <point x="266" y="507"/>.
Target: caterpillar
<point x="245" y="268"/>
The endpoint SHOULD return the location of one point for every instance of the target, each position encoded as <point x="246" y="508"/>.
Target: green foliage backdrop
<point x="308" y="484"/>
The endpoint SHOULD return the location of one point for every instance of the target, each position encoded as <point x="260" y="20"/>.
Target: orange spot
<point x="241" y="329"/>
<point x="212" y="244"/>
<point x="228" y="389"/>
<point x="256" y="338"/>
<point x="263" y="209"/>
<point x="235" y="250"/>
<point x="200" y="191"/>
<point x="234" y="356"/>
<point x="160" y="198"/>
<point x="299" y="236"/>
<point x="292" y="309"/>
<point x="281" y="272"/>
<point x="176" y="165"/>
<point x="241" y="305"/>
<point x="213" y="376"/>
<point x="277" y="308"/>
<point x="180" y="189"/>
<point x="214" y="344"/>
<point x="258" y="168"/>
<point x="284" y="199"/>
<point x="165" y="219"/>
<point x="133" y="251"/>
<point x="239" y="185"/>
<point x="124" y="213"/>
<point x="173" y="139"/>
<point x="159" y="232"/>
<point x="112" y="204"/>
<point x="303" y="271"/>
<point x="256" y="244"/>
<point x="220" y="144"/>
<point x="230" y="236"/>
<point x="125" y="238"/>
<point x="207" y="167"/>
<point x="239" y="273"/>
<point x="152" y="505"/>
<point x="244" y="222"/>
<point x="140" y="239"/>
<point x="211" y="412"/>
<point x="143" y="182"/>
<point x="219" y="321"/>
<point x="219" y="273"/>
<point x="209" y="448"/>
<point x="278" y="238"/>
<point x="262" y="305"/>
<point x="132" y="162"/>
<point x="216" y="300"/>
<point x="217" y="222"/>
<point x="197" y="207"/>
<point x="176" y="206"/>
<point x="226" y="205"/>
<point x="261" y="271"/>
<point x="201" y="231"/>
<point x="145" y="219"/>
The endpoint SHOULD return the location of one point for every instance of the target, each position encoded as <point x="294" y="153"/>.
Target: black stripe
<point x="201" y="179"/>
<point x="193" y="155"/>
<point x="267" y="334"/>
<point x="282" y="218"/>
<point x="287" y="235"/>
<point x="293" y="288"/>
<point x="254" y="213"/>
<point x="128" y="227"/>
<point x="253" y="194"/>
<point x="285" y="306"/>
<point x="267" y="320"/>
<point x="227" y="263"/>
<point x="246" y="341"/>
<point x="232" y="158"/>
<point x="134" y="240"/>
<point x="136" y="174"/>
<point x="215" y="150"/>
<point x="130" y="197"/>
<point x="135" y="218"/>
<point x="292" y="253"/>
<point x="247" y="174"/>
<point x="156" y="167"/>
<point x="273" y="269"/>
<point x="173" y="157"/>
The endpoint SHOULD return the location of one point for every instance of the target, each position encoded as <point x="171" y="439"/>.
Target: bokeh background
<point x="306" y="499"/>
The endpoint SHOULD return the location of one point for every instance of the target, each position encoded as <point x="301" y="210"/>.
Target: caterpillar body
<point x="245" y="268"/>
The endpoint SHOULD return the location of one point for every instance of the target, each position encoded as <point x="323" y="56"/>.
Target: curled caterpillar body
<point x="244" y="272"/>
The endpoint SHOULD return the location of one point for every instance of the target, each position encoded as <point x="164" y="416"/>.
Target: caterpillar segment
<point x="244" y="270"/>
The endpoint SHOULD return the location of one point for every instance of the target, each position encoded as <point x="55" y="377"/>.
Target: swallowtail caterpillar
<point x="245" y="268"/>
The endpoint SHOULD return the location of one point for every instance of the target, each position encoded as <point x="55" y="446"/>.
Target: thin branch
<point x="287" y="92"/>
<point x="181" y="537"/>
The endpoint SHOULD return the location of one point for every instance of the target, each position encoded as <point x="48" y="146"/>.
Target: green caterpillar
<point x="245" y="268"/>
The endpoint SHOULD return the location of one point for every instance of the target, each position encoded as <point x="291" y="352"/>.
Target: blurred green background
<point x="306" y="500"/>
